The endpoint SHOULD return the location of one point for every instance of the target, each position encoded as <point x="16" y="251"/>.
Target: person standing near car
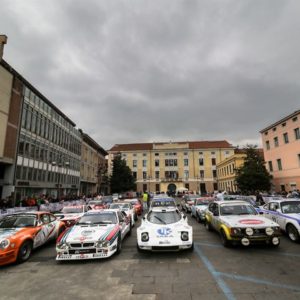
<point x="145" y="201"/>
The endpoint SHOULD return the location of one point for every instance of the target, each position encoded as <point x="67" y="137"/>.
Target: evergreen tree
<point x="121" y="179"/>
<point x="253" y="175"/>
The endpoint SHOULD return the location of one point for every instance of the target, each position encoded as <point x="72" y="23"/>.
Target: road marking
<point x="211" y="245"/>
<point x="221" y="283"/>
<point x="259" y="281"/>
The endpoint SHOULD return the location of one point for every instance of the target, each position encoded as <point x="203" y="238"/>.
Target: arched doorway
<point x="172" y="189"/>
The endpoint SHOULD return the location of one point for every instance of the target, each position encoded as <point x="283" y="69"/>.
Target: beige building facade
<point x="169" y="166"/>
<point x="93" y="165"/>
<point x="281" y="144"/>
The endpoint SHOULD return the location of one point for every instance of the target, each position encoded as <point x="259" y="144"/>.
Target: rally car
<point x="97" y="204"/>
<point x="127" y="208"/>
<point x="138" y="207"/>
<point x="163" y="202"/>
<point x="238" y="222"/>
<point x="164" y="229"/>
<point x="285" y="212"/>
<point x="22" y="232"/>
<point x="187" y="202"/>
<point x="199" y="207"/>
<point x="71" y="214"/>
<point x="98" y="234"/>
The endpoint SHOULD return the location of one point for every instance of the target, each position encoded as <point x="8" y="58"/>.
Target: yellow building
<point x="226" y="171"/>
<point x="162" y="167"/>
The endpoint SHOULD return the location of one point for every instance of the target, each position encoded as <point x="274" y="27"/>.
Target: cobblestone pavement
<point x="210" y="272"/>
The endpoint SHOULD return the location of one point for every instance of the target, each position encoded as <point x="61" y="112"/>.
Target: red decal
<point x="251" y="222"/>
<point x="112" y="233"/>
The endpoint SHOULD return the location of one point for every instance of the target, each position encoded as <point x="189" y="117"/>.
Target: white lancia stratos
<point x="98" y="234"/>
<point x="164" y="229"/>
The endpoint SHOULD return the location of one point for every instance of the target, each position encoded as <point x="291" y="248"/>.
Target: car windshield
<point x="17" y="221"/>
<point x="290" y="207"/>
<point x="202" y="202"/>
<point x="237" y="210"/>
<point x="115" y="206"/>
<point x="107" y="198"/>
<point x="103" y="218"/>
<point x="96" y="203"/>
<point x="167" y="217"/>
<point x="157" y="203"/>
<point x="72" y="210"/>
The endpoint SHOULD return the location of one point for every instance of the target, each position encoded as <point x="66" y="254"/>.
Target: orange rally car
<point x="22" y="232"/>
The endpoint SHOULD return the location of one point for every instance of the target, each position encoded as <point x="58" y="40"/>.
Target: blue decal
<point x="165" y="231"/>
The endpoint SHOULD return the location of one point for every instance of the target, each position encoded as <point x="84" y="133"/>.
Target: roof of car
<point x="98" y="212"/>
<point x="285" y="200"/>
<point x="222" y="202"/>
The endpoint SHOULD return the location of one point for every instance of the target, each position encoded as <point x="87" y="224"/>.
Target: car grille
<point x="82" y="245"/>
<point x="165" y="248"/>
<point x="82" y="251"/>
<point x="256" y="232"/>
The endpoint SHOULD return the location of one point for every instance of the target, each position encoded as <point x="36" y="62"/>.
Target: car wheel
<point x="119" y="245"/>
<point x="135" y="217"/>
<point x="24" y="251"/>
<point x="224" y="240"/>
<point x="208" y="226"/>
<point x="130" y="228"/>
<point x="292" y="233"/>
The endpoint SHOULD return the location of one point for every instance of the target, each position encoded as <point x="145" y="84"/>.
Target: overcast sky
<point x="144" y="71"/>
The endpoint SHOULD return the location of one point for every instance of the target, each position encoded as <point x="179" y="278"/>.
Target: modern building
<point x="93" y="167"/>
<point x="41" y="148"/>
<point x="168" y="166"/>
<point x="281" y="144"/>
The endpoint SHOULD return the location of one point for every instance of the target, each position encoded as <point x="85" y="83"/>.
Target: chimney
<point x="3" y="40"/>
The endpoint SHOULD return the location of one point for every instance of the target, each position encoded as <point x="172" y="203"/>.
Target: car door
<point x="216" y="216"/>
<point x="124" y="224"/>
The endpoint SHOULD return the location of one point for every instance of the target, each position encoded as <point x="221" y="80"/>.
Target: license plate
<point x="164" y="242"/>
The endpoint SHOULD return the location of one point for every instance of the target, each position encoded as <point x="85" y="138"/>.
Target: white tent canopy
<point x="182" y="189"/>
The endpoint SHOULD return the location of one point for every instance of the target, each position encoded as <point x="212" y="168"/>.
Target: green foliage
<point x="121" y="179"/>
<point x="253" y="175"/>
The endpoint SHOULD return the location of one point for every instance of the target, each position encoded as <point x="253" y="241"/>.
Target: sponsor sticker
<point x="87" y="232"/>
<point x="165" y="231"/>
<point x="251" y="222"/>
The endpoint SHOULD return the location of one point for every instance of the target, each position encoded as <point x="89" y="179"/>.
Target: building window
<point x="276" y="143"/>
<point x="297" y="133"/>
<point x="144" y="187"/>
<point x="213" y="153"/>
<point x="144" y="175"/>
<point x="134" y="174"/>
<point x="156" y="154"/>
<point x="295" y="119"/>
<point x="156" y="174"/>
<point x="268" y="145"/>
<point x="283" y="124"/>
<point x="186" y="175"/>
<point x="270" y="166"/>
<point x="185" y="153"/>
<point x="286" y="138"/>
<point x="201" y="162"/>
<point x="274" y="129"/>
<point x="201" y="174"/>
<point x="156" y="163"/>
<point x="213" y="161"/>
<point x="157" y="189"/>
<point x="266" y="133"/>
<point x="200" y="153"/>
<point x="214" y="173"/>
<point x="171" y="162"/>
<point x="134" y="163"/>
<point x="144" y="163"/>
<point x="185" y="162"/>
<point x="279" y="164"/>
<point x="144" y="154"/>
<point x="299" y="159"/>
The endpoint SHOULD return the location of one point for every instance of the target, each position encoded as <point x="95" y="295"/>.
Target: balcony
<point x="171" y="179"/>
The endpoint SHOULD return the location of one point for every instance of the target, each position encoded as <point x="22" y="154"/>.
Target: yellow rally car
<point x="239" y="223"/>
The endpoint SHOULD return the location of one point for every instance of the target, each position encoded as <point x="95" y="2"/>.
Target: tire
<point x="130" y="228"/>
<point x="119" y="245"/>
<point x="24" y="251"/>
<point x="292" y="233"/>
<point x="224" y="240"/>
<point x="135" y="217"/>
<point x="208" y="226"/>
<point x="191" y="249"/>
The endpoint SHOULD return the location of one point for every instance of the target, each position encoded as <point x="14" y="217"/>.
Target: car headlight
<point x="102" y="244"/>
<point x="61" y="246"/>
<point x="145" y="237"/>
<point x="269" y="231"/>
<point x="235" y="231"/>
<point x="4" y="244"/>
<point x="184" y="236"/>
<point x="249" y="231"/>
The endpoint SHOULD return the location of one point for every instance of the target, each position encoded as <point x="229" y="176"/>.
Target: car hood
<point x="66" y="217"/>
<point x="6" y="233"/>
<point x="247" y="221"/>
<point x="90" y="233"/>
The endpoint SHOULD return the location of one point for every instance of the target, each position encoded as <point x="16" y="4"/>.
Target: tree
<point x="253" y="175"/>
<point x="121" y="179"/>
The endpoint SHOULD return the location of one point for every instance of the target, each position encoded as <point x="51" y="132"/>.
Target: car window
<point x="45" y="219"/>
<point x="273" y="206"/>
<point x="52" y="218"/>
<point x="121" y="217"/>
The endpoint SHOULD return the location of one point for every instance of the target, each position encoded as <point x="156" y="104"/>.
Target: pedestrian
<point x="145" y="200"/>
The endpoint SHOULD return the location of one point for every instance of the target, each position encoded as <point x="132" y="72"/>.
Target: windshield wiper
<point x="244" y="213"/>
<point x="159" y="219"/>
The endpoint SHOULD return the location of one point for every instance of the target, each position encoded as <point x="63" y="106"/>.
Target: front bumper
<point x="72" y="254"/>
<point x="8" y="257"/>
<point x="250" y="240"/>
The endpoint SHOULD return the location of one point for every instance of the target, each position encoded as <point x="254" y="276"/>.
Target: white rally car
<point x="238" y="222"/>
<point x="98" y="234"/>
<point x="285" y="212"/>
<point x="127" y="208"/>
<point x="164" y="229"/>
